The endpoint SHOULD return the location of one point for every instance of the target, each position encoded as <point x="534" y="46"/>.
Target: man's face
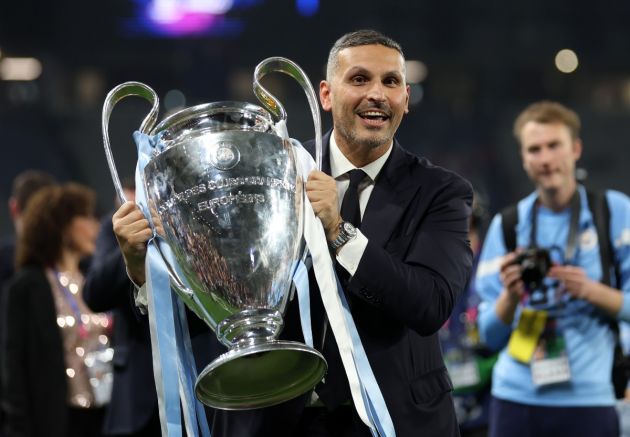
<point x="367" y="95"/>
<point x="549" y="154"/>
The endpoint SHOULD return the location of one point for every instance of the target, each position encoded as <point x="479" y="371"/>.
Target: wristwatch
<point x="347" y="232"/>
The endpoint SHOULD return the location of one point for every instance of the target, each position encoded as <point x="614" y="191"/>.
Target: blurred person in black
<point x="407" y="257"/>
<point x="25" y="185"/>
<point x="56" y="371"/>
<point x="133" y="409"/>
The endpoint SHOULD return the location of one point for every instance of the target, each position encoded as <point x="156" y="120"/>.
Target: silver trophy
<point x="225" y="185"/>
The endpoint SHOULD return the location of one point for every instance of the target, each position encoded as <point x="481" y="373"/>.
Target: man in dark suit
<point x="25" y="185"/>
<point x="132" y="410"/>
<point x="400" y="241"/>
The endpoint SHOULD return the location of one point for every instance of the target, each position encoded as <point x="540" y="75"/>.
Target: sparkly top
<point x="86" y="343"/>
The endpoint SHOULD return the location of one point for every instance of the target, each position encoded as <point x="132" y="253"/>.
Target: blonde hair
<point x="547" y="112"/>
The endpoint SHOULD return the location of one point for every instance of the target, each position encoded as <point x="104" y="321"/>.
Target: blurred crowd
<point x="75" y="358"/>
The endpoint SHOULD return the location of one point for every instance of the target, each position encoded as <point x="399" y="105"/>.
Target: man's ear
<point x="14" y="208"/>
<point x="577" y="149"/>
<point x="324" y="95"/>
<point x="408" y="89"/>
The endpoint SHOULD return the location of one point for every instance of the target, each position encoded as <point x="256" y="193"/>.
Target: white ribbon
<point x="340" y="319"/>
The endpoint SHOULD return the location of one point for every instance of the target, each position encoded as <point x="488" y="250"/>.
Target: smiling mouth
<point x="374" y="116"/>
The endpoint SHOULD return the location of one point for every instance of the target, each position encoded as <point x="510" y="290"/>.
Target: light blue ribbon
<point x="173" y="361"/>
<point x="165" y="366"/>
<point x="375" y="406"/>
<point x="372" y="396"/>
<point x="300" y="279"/>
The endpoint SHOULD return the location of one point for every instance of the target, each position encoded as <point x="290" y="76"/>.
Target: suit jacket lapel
<point x="394" y="188"/>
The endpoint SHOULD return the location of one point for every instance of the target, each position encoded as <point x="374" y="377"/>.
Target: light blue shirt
<point x="589" y="339"/>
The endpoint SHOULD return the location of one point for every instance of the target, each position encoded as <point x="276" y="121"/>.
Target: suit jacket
<point x="7" y="260"/>
<point x="108" y="288"/>
<point x="34" y="388"/>
<point x="414" y="268"/>
<point x="7" y="256"/>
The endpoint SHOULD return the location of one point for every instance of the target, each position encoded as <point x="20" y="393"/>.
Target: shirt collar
<point x="340" y="165"/>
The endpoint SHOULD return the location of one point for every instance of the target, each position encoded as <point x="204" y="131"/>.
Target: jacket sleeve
<point x="107" y="285"/>
<point x="492" y="331"/>
<point x="14" y="359"/>
<point x="418" y="276"/>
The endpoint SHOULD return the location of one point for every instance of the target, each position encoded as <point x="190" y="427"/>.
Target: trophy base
<point x="260" y="375"/>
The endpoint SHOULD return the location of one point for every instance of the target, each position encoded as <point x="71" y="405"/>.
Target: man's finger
<point x="124" y="209"/>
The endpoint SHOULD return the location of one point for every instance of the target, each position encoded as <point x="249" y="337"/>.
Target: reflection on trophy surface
<point x="227" y="197"/>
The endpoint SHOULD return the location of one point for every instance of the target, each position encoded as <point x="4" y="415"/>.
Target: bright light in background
<point x="416" y="94"/>
<point x="566" y="61"/>
<point x="625" y="92"/>
<point x="175" y="18"/>
<point x="20" y="68"/>
<point x="171" y="11"/>
<point x="174" y="99"/>
<point x="307" y="8"/>
<point x="416" y="71"/>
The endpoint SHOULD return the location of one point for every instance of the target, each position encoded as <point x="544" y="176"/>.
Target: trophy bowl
<point x="224" y="183"/>
<point x="228" y="194"/>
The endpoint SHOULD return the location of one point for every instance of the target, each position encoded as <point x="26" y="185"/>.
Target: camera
<point x="535" y="263"/>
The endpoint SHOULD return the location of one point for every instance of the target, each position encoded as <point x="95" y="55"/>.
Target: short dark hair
<point x="46" y="217"/>
<point x="547" y="112"/>
<point x="358" y="38"/>
<point x="28" y="183"/>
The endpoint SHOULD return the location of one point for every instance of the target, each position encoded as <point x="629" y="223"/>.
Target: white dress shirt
<point x="350" y="253"/>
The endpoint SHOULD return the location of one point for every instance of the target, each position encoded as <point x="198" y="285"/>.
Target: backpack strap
<point x="601" y="217"/>
<point x="509" y="219"/>
<point x="600" y="210"/>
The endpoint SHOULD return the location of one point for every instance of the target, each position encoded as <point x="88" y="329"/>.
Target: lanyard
<point x="571" y="246"/>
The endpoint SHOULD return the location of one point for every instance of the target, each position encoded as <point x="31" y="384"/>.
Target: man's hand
<point x="575" y="281"/>
<point x="510" y="276"/>
<point x="321" y="190"/>
<point x="513" y="288"/>
<point x="580" y="286"/>
<point x="132" y="232"/>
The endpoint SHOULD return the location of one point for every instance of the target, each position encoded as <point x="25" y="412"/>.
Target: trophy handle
<point x="273" y="105"/>
<point x="114" y="96"/>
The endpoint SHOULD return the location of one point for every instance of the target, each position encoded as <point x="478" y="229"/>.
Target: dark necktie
<point x="350" y="209"/>
<point x="336" y="390"/>
<point x="350" y="212"/>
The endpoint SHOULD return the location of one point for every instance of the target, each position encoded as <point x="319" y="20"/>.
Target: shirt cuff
<point x="139" y="295"/>
<point x="140" y="298"/>
<point x="351" y="253"/>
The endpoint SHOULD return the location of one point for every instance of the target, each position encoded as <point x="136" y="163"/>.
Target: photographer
<point x="545" y="305"/>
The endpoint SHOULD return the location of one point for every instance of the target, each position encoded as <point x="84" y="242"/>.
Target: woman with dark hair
<point x="55" y="356"/>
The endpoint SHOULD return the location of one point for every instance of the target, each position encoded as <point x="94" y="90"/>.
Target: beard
<point x="371" y="142"/>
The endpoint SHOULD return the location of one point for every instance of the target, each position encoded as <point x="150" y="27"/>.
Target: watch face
<point x="349" y="229"/>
